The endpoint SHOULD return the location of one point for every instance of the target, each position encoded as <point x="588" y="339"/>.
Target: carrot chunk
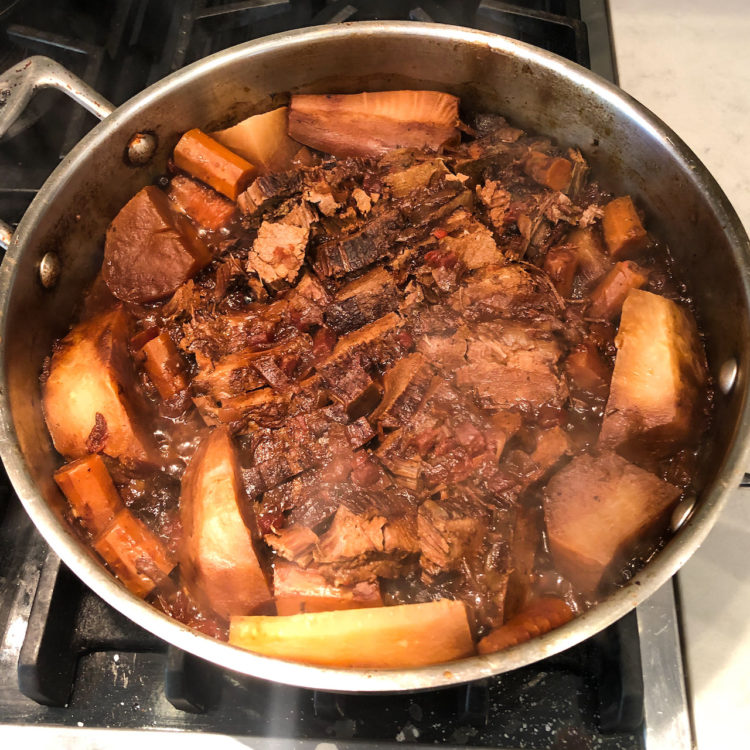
<point x="561" y="264"/>
<point x="623" y="232"/>
<point x="89" y="489"/>
<point x="206" y="159"/>
<point x="374" y="122"/>
<point x="607" y="298"/>
<point x="588" y="371"/>
<point x="262" y="140"/>
<point x="134" y="554"/>
<point x="164" y="365"/>
<point x="407" y="635"/>
<point x="297" y="590"/>
<point x="202" y="204"/>
<point x="553" y="172"/>
<point x="539" y="617"/>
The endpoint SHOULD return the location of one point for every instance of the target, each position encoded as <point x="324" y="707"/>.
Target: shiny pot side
<point x="536" y="90"/>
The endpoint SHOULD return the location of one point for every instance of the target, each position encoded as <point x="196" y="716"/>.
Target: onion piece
<point x="262" y="140"/>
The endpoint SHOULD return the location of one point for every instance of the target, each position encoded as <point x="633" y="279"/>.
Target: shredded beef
<point x="399" y="350"/>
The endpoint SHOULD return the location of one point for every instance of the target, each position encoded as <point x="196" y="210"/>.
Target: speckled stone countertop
<point x="689" y="62"/>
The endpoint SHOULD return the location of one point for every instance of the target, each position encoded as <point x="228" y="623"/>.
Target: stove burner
<point x="74" y="644"/>
<point x="554" y="26"/>
<point x="453" y="12"/>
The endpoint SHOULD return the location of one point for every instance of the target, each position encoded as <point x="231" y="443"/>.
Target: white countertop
<point x="689" y="62"/>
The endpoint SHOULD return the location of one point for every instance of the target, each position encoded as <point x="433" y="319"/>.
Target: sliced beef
<point x="295" y="544"/>
<point x="261" y="408"/>
<point x="232" y="375"/>
<point x="446" y="441"/>
<point x="506" y="291"/>
<point x="246" y="370"/>
<point x="305" y="441"/>
<point x="445" y="536"/>
<point x="269" y="189"/>
<point x="469" y="241"/>
<point x="426" y="208"/>
<point x="372" y="242"/>
<point x="350" y="537"/>
<point x="362" y="301"/>
<point x="404" y="386"/>
<point x="278" y="251"/>
<point x="468" y="544"/>
<point x="495" y="149"/>
<point x="306" y="302"/>
<point x="400" y="534"/>
<point x="404" y="181"/>
<point x="513" y="365"/>
<point x="446" y="353"/>
<point x="496" y="201"/>
<point x="350" y="370"/>
<point x="257" y="326"/>
<point x="354" y="549"/>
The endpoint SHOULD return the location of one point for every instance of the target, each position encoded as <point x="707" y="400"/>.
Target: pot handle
<point x="19" y="83"/>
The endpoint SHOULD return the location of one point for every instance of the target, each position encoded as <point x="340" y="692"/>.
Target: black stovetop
<point x="66" y="658"/>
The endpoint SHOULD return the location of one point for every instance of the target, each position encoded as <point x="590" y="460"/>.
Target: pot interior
<point x="629" y="149"/>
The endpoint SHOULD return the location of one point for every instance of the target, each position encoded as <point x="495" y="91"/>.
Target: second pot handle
<point x="19" y="83"/>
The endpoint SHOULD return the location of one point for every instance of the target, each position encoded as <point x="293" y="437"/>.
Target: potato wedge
<point x="91" y="401"/>
<point x="659" y="373"/>
<point x="218" y="552"/>
<point x="150" y="249"/>
<point x="596" y="509"/>
<point x="408" y="635"/>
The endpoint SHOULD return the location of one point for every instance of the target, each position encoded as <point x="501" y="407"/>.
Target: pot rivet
<point x="682" y="512"/>
<point x="49" y="270"/>
<point x="141" y="148"/>
<point x="728" y="375"/>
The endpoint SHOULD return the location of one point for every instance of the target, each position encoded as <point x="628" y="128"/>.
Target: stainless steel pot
<point x="57" y="249"/>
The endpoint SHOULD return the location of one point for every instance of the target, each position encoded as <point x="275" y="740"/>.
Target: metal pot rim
<point x="647" y="581"/>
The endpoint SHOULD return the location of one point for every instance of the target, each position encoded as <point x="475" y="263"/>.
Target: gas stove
<point x="73" y="670"/>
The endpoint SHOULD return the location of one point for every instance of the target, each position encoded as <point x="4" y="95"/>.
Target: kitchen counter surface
<point x="689" y="62"/>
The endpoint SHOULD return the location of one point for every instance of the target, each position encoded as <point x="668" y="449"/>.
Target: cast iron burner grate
<point x="78" y="660"/>
<point x="123" y="46"/>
